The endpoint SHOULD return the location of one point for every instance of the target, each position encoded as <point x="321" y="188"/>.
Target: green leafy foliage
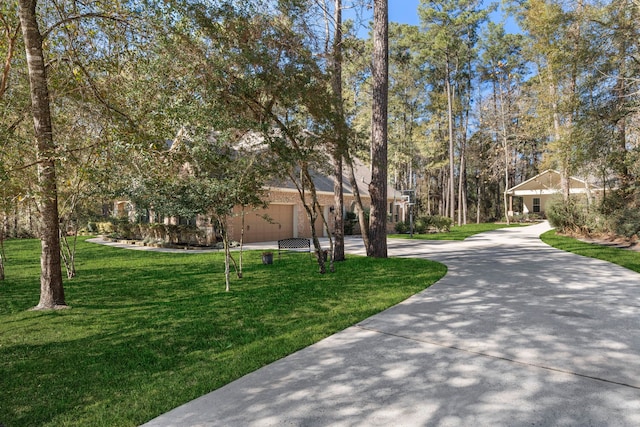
<point x="627" y="222"/>
<point x="432" y="223"/>
<point x="566" y="217"/>
<point x="402" y="227"/>
<point x="613" y="216"/>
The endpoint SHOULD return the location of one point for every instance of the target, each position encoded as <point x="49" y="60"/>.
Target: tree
<point x="51" y="287"/>
<point x="208" y="174"/>
<point x="548" y="27"/>
<point x="80" y="92"/>
<point x="10" y="28"/>
<point x="357" y="108"/>
<point x="407" y="104"/>
<point x="255" y="65"/>
<point x="341" y="135"/>
<point x="378" y="186"/>
<point x="613" y="82"/>
<point x="503" y="69"/>
<point x="451" y="26"/>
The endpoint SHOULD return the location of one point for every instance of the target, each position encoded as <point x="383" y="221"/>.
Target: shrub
<point x="23" y="233"/>
<point x="437" y="223"/>
<point x="567" y="216"/>
<point x="105" y="227"/>
<point x="350" y="220"/>
<point x="422" y="224"/>
<point x="627" y="222"/>
<point x="123" y="228"/>
<point x="441" y="223"/>
<point x="402" y="227"/>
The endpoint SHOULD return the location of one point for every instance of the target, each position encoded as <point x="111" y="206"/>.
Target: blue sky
<point x="406" y="12"/>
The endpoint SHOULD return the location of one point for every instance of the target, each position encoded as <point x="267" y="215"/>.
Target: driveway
<point x="517" y="333"/>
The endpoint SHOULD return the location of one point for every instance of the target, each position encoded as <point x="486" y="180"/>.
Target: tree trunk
<point x="331" y="242"/>
<point x="479" y="200"/>
<point x="338" y="152"/>
<point x="362" y="219"/>
<point x="311" y="209"/>
<point x="506" y="176"/>
<point x="462" y="188"/>
<point x="241" y="254"/>
<point x="462" y="185"/>
<point x="428" y="194"/>
<point x="68" y="251"/>
<point x="51" y="289"/>
<point x="227" y="258"/>
<point x="11" y="40"/>
<point x="451" y="199"/>
<point x="2" y="255"/>
<point x="378" y="185"/>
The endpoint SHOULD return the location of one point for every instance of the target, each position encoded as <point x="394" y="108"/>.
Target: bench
<point x="295" y="244"/>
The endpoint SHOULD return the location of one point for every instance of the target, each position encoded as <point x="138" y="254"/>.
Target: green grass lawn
<point x="623" y="257"/>
<point x="457" y="232"/>
<point x="150" y="331"/>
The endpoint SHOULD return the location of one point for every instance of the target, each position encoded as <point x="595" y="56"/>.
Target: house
<point x="537" y="192"/>
<point x="285" y="215"/>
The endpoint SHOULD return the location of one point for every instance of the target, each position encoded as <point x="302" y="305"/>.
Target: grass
<point x="626" y="258"/>
<point x="150" y="331"/>
<point x="457" y="232"/>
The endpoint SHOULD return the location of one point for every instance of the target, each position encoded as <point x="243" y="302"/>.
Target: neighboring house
<point x="285" y="215"/>
<point x="537" y="192"/>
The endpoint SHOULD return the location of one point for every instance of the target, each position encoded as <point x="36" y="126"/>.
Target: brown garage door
<point x="280" y="226"/>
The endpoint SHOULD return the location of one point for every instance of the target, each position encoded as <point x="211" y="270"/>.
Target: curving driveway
<point x="517" y="333"/>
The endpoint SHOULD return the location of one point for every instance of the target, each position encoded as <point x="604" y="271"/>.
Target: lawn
<point x="457" y="232"/>
<point x="150" y="331"/>
<point x="623" y="257"/>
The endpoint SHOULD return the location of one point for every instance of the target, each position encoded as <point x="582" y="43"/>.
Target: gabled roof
<point x="548" y="182"/>
<point x="324" y="182"/>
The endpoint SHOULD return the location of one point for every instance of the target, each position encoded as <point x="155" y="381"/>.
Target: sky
<point x="406" y="12"/>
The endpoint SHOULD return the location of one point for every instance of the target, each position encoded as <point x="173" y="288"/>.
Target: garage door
<point x="279" y="225"/>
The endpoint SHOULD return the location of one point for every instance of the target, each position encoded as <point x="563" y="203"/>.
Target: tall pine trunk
<point x="378" y="187"/>
<point x="338" y="152"/>
<point x="451" y="186"/>
<point x="51" y="289"/>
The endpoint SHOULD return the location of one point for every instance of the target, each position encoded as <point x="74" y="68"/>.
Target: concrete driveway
<point x="517" y="333"/>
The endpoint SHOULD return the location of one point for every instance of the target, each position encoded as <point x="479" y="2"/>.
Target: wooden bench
<point x="295" y="244"/>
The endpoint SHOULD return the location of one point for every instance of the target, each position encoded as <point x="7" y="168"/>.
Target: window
<point x="183" y="220"/>
<point x="536" y="205"/>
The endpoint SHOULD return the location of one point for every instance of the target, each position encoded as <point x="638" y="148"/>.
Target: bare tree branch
<point x="73" y="18"/>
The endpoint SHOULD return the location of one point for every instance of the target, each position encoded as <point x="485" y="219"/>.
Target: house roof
<point x="324" y="183"/>
<point x="548" y="182"/>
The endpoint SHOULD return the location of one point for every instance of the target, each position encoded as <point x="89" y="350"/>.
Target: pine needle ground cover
<point x="457" y="232"/>
<point x="625" y="258"/>
<point x="149" y="331"/>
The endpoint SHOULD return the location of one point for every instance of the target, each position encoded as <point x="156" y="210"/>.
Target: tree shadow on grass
<point x="149" y="331"/>
<point x="517" y="333"/>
